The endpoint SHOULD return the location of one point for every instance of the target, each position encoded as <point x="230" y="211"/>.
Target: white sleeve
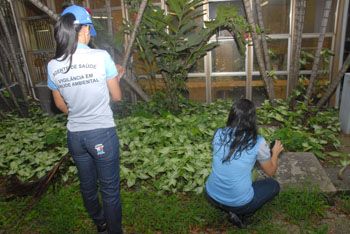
<point x="264" y="152"/>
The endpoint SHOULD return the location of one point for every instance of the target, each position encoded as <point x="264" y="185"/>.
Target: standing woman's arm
<point x="59" y="101"/>
<point x="114" y="86"/>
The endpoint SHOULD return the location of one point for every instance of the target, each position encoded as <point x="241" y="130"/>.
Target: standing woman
<point x="82" y="81"/>
<point x="236" y="148"/>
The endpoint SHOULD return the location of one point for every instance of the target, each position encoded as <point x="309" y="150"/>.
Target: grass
<point x="150" y="212"/>
<point x="344" y="203"/>
<point x="302" y="204"/>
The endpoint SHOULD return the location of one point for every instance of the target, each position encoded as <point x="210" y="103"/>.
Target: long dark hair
<point x="241" y="124"/>
<point x="66" y="36"/>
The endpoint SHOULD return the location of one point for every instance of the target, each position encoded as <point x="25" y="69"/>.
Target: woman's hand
<point x="277" y="148"/>
<point x="121" y="71"/>
<point x="270" y="166"/>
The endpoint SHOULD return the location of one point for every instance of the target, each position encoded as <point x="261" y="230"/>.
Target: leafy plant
<point x="170" y="43"/>
<point x="159" y="150"/>
<point x="345" y="163"/>
<point x="318" y="134"/>
<point x="31" y="146"/>
<point x="177" y="42"/>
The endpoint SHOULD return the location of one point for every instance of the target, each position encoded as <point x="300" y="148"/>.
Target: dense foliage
<point x="31" y="146"/>
<point x="158" y="149"/>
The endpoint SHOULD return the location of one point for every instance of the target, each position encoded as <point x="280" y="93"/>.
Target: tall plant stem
<point x="296" y="45"/>
<point x="258" y="52"/>
<point x="263" y="35"/>
<point x="332" y="87"/>
<point x="317" y="56"/>
<point x="131" y="83"/>
<point x="17" y="69"/>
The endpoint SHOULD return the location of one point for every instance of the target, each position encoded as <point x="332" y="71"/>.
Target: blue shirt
<point x="84" y="87"/>
<point x="230" y="183"/>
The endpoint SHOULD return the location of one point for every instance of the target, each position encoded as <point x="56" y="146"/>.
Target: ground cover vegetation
<point x="160" y="150"/>
<point x="164" y="158"/>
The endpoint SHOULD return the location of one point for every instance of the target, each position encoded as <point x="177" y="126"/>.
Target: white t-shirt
<point x="84" y="87"/>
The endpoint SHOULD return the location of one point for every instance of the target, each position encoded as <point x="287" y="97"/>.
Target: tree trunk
<point x="17" y="69"/>
<point x="315" y="66"/>
<point x="332" y="87"/>
<point x="258" y="51"/>
<point x="45" y="9"/>
<point x="296" y="45"/>
<point x="109" y="25"/>
<point x="134" y="86"/>
<point x="263" y="36"/>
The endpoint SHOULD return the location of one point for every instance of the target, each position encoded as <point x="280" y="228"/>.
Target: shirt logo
<point x="99" y="149"/>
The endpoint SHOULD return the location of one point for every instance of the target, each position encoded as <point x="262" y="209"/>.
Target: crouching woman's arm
<point x="270" y="166"/>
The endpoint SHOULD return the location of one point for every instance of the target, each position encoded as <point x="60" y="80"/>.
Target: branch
<point x="45" y="9"/>
<point x="136" y="88"/>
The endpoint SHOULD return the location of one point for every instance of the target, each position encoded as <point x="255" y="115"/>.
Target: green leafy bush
<point x="317" y="133"/>
<point x="159" y="150"/>
<point x="31" y="146"/>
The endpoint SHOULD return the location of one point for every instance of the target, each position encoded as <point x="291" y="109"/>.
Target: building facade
<point x="223" y="72"/>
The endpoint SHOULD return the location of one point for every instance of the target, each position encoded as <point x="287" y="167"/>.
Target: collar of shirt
<point x="82" y="46"/>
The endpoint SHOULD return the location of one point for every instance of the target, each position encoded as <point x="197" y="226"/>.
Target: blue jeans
<point x="264" y="191"/>
<point x="96" y="155"/>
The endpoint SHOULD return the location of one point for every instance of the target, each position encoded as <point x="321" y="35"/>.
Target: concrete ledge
<point x="303" y="169"/>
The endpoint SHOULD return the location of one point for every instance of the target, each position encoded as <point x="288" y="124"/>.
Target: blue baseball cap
<point x="82" y="16"/>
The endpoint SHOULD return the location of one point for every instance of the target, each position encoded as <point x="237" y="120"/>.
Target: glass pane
<point x="276" y="23"/>
<point x="150" y="84"/>
<point x="37" y="62"/>
<point x="278" y="50"/>
<point x="198" y="66"/>
<point x="59" y="5"/>
<point x="259" y="90"/>
<point x="101" y="3"/>
<point x="226" y="58"/>
<point x="232" y="88"/>
<point x="100" y="20"/>
<point x="196" y="88"/>
<point x="27" y="9"/>
<point x="141" y="68"/>
<point x="214" y="5"/>
<point x="308" y="47"/>
<point x="40" y="34"/>
<point x="117" y="20"/>
<point x="280" y="85"/>
<point x="259" y="95"/>
<point x="314" y="15"/>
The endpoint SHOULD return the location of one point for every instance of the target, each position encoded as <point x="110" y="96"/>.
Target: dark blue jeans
<point x="96" y="155"/>
<point x="264" y="191"/>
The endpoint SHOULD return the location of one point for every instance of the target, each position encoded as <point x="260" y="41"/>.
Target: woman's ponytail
<point x="66" y="36"/>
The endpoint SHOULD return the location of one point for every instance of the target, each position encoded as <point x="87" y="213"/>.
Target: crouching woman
<point x="236" y="148"/>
